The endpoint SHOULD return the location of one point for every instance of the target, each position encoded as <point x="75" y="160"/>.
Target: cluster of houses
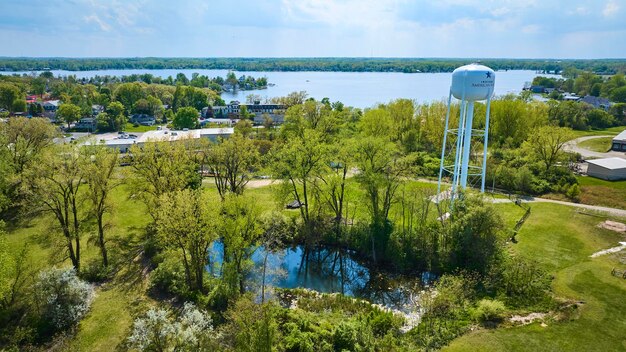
<point x="596" y="102"/>
<point x="231" y="111"/>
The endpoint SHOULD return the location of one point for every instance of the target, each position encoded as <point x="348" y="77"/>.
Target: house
<point x="611" y="169"/>
<point x="570" y="97"/>
<point x="50" y="108"/>
<point x="87" y="124"/>
<point x="619" y="142"/>
<point x="596" y="102"/>
<point x="275" y="111"/>
<point x="537" y="89"/>
<point x="142" y="119"/>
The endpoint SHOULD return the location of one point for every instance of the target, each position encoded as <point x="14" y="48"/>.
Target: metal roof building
<point x="611" y="169"/>
<point x="619" y="142"/>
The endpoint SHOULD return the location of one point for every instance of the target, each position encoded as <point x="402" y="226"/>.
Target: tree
<point x="186" y="117"/>
<point x="38" y="86"/>
<point x="185" y="222"/>
<point x="53" y="185"/>
<point x="547" y="144"/>
<point x="381" y="169"/>
<point x="128" y="94"/>
<point x="159" y="168"/>
<point x="240" y="231"/>
<point x="9" y="93"/>
<point x="117" y="118"/>
<point x="69" y="113"/>
<point x="232" y="161"/>
<point x="619" y="95"/>
<point x="298" y="162"/>
<point x="98" y="174"/>
<point x="243" y="128"/>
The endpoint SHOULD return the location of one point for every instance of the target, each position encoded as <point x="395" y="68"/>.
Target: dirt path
<point x="572" y="146"/>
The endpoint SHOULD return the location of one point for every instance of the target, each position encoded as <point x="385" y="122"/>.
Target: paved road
<point x="572" y="146"/>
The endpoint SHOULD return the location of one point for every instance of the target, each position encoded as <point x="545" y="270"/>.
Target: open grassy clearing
<point x="561" y="240"/>
<point x="607" y="131"/>
<point x="141" y="128"/>
<point x="600" y="192"/>
<point x="601" y="145"/>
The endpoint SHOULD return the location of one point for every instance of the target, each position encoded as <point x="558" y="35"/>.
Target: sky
<point x="314" y="28"/>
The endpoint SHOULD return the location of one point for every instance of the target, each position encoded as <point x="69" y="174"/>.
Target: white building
<point x="611" y="169"/>
<point x="619" y="142"/>
<point x="124" y="141"/>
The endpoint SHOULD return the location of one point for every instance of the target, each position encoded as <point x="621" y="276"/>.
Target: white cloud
<point x="95" y="19"/>
<point x="610" y="9"/>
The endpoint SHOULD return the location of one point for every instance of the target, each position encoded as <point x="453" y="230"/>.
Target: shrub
<point x="65" y="298"/>
<point x="489" y="311"/>
<point x="169" y="276"/>
<point x="159" y="331"/>
<point x="344" y="337"/>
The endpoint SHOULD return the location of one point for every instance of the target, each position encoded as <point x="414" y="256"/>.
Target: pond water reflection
<point x="329" y="270"/>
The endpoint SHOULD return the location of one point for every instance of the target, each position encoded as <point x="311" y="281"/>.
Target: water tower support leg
<point x="484" y="170"/>
<point x="467" y="136"/>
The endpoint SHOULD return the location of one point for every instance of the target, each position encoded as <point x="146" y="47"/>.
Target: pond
<point x="329" y="270"/>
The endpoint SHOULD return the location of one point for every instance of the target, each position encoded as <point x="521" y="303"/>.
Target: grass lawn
<point x="597" y="144"/>
<point x="606" y="131"/>
<point x="130" y="128"/>
<point x="561" y="240"/>
<point x="600" y="192"/>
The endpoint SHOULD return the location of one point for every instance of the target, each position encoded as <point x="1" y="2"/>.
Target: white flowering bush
<point x="63" y="297"/>
<point x="159" y="330"/>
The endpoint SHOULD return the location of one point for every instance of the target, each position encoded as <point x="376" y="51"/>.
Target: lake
<point x="327" y="270"/>
<point x="358" y="89"/>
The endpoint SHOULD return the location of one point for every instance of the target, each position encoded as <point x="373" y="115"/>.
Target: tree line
<point x="407" y="65"/>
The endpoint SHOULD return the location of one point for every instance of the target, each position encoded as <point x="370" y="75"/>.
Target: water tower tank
<point x="475" y="80"/>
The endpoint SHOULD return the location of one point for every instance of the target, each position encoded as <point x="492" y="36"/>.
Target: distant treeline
<point x="603" y="66"/>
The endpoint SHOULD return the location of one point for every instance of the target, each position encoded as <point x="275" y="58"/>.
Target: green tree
<point x="233" y="161"/>
<point x="381" y="170"/>
<point x="128" y="94"/>
<point x="186" y="117"/>
<point x="53" y="185"/>
<point x="547" y="143"/>
<point x="69" y="113"/>
<point x="9" y="93"/>
<point x="186" y="222"/>
<point x="240" y="230"/>
<point x="98" y="173"/>
<point x="619" y="95"/>
<point x="159" y="168"/>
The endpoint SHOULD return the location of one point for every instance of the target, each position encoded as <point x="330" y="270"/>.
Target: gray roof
<point x="620" y="137"/>
<point x="609" y="163"/>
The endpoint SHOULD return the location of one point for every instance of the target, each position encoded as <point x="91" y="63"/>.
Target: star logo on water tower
<point x="488" y="74"/>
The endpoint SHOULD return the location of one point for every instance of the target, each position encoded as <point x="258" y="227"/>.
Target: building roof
<point x="609" y="163"/>
<point x="620" y="137"/>
<point x="169" y="135"/>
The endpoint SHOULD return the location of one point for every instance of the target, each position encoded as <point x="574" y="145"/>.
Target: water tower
<point x="470" y="83"/>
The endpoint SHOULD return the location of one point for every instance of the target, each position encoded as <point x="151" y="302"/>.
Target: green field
<point x="607" y="131"/>
<point x="600" y="192"/>
<point x="601" y="145"/>
<point x="561" y="240"/>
